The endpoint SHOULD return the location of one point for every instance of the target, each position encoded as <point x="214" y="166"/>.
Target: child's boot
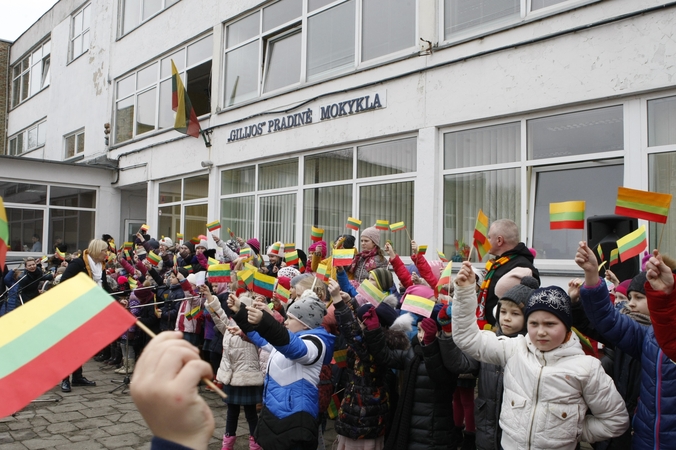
<point x="469" y="441"/>
<point x="228" y="442"/>
<point x="456" y="437"/>
<point x="253" y="445"/>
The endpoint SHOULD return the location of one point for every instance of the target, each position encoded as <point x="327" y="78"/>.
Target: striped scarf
<point x="491" y="267"/>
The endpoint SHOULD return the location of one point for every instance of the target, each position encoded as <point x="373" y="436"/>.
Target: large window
<point x="662" y="121"/>
<point x="143" y="98"/>
<point x="279" y="46"/>
<point x="29" y="139"/>
<point x="79" y="32"/>
<point x="466" y="18"/>
<point x="135" y="12"/>
<point x="31" y="74"/>
<point x="183" y="207"/>
<point x="70" y="214"/>
<point x="370" y="182"/>
<point x="572" y="156"/>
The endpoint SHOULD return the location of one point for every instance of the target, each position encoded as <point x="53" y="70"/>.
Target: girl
<point x="371" y="256"/>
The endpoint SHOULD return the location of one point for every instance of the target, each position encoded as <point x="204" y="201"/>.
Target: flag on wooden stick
<point x="647" y="205"/>
<point x="317" y="234"/>
<point x="566" y="215"/>
<point x="353" y="224"/>
<point x="632" y="244"/>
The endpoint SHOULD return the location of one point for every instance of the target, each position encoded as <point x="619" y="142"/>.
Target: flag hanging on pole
<point x="186" y="120"/>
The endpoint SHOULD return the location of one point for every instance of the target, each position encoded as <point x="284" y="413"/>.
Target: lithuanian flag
<point x="614" y="257"/>
<point x="246" y="278"/>
<point x="445" y="278"/>
<point x="48" y="338"/>
<point x="153" y="258"/>
<point x="340" y="358"/>
<point x="353" y="224"/>
<point x="282" y="293"/>
<point x="418" y="305"/>
<point x="599" y="251"/>
<point x="371" y="293"/>
<point x="290" y="247"/>
<point x="245" y="252"/>
<point x="422" y="249"/>
<point x="212" y="261"/>
<point x="60" y="254"/>
<point x="186" y="120"/>
<point x="322" y="273"/>
<point x="397" y="226"/>
<point x="213" y="226"/>
<point x="291" y="258"/>
<point x="264" y="284"/>
<point x="334" y="406"/>
<point x="441" y="256"/>
<point x="219" y="273"/>
<point x="343" y="256"/>
<point x="4" y="234"/>
<point x="566" y="215"/>
<point x="632" y="244"/>
<point x="383" y="225"/>
<point x="651" y="206"/>
<point x="481" y="228"/>
<point x="317" y="234"/>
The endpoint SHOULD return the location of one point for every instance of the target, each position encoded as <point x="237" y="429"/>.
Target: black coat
<point x="78" y="265"/>
<point x="424" y="416"/>
<point x="29" y="286"/>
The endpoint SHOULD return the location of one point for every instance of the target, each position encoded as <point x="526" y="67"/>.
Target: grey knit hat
<point x="373" y="234"/>
<point x="520" y="293"/>
<point x="552" y="299"/>
<point x="308" y="309"/>
<point x="638" y="284"/>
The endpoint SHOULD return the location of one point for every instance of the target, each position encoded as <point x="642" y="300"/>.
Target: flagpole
<point x="664" y="225"/>
<point x="207" y="381"/>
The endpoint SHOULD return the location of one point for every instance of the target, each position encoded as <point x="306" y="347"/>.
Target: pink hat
<point x="122" y="280"/>
<point x="314" y="246"/>
<point x="254" y="244"/>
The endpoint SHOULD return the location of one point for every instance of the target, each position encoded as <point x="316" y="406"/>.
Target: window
<point x="135" y="12"/>
<point x="70" y="213"/>
<point x="662" y="121"/>
<point x="31" y="74"/>
<point x="372" y="182"/>
<point x="143" y="98"/>
<point x="74" y="143"/>
<point x="183" y="206"/>
<point x="467" y="18"/>
<point x="279" y="46"/>
<point x="28" y="139"/>
<point x="572" y="156"/>
<point x="79" y="41"/>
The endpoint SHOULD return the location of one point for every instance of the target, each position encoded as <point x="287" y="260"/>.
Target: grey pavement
<point x="93" y="418"/>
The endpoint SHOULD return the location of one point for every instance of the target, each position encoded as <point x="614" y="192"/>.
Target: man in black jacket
<point x="29" y="286"/>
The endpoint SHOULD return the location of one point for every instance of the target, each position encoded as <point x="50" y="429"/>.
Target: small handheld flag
<point x="383" y="225"/>
<point x="153" y="258"/>
<point x="422" y="249"/>
<point x="397" y="226"/>
<point x="282" y="293"/>
<point x="632" y="244"/>
<point x="212" y="261"/>
<point x="418" y="305"/>
<point x="445" y="278"/>
<point x="291" y="258"/>
<point x="264" y="284"/>
<point x="213" y="226"/>
<point x="647" y="205"/>
<point x="481" y="228"/>
<point x="614" y="257"/>
<point x="232" y="235"/>
<point x="219" y="273"/>
<point x="343" y="257"/>
<point x="566" y="215"/>
<point x="322" y="273"/>
<point x="340" y="358"/>
<point x="599" y="250"/>
<point x="442" y="256"/>
<point x="317" y="234"/>
<point x="353" y="224"/>
<point x="62" y="255"/>
<point x="371" y="293"/>
<point x="145" y="228"/>
<point x="291" y="246"/>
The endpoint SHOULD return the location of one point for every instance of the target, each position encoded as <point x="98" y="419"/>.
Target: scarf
<point x="643" y="319"/>
<point x="95" y="270"/>
<point x="354" y="267"/>
<point x="491" y="267"/>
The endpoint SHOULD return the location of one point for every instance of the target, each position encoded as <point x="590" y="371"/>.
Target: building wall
<point x="4" y="74"/>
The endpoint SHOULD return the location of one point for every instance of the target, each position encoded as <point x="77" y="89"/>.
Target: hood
<point x="396" y="340"/>
<point x="570" y="348"/>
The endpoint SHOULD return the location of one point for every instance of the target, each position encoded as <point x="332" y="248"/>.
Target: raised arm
<point x="398" y="265"/>
<point x="662" y="303"/>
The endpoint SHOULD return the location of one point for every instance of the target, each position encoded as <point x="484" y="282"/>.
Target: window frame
<point x="31" y="71"/>
<point x="71" y="47"/>
<point x="24" y="138"/>
<point x="77" y="134"/>
<point x="141" y="20"/>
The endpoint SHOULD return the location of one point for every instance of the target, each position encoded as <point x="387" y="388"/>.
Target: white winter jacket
<point x="546" y="394"/>
<point x="240" y="365"/>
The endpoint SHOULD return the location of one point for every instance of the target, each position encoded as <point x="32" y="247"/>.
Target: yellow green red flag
<point x="567" y="215"/>
<point x="647" y="205"/>
<point x="632" y="244"/>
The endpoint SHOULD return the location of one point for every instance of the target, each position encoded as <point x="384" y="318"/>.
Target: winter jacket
<point x="170" y="307"/>
<point x="523" y="258"/>
<point x="655" y="417"/>
<point x="11" y="300"/>
<point x="424" y="415"/>
<point x="663" y="316"/>
<point x="546" y="394"/>
<point x="425" y="270"/>
<point x="29" y="283"/>
<point x="488" y="402"/>
<point x="365" y="407"/>
<point x="78" y="265"/>
<point x="289" y="418"/>
<point x="240" y="365"/>
<point x="401" y="271"/>
<point x="184" y="324"/>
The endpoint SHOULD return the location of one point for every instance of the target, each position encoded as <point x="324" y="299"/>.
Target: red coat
<point x="663" y="316"/>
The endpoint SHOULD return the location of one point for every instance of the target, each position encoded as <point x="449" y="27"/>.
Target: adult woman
<point x="90" y="263"/>
<point x="370" y="257"/>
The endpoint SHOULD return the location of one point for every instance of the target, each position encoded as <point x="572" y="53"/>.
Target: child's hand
<point x="370" y="319"/>
<point x="610" y="276"/>
<point x="164" y="388"/>
<point x="234" y="330"/>
<point x="254" y="315"/>
<point x="414" y="247"/>
<point x="334" y="291"/>
<point x="586" y="259"/>
<point x="466" y="275"/>
<point x="389" y="250"/>
<point x="659" y="275"/>
<point x="429" y="328"/>
<point x="574" y="290"/>
<point x="234" y="303"/>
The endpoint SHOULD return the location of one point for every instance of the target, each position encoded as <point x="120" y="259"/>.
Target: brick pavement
<point x="92" y="418"/>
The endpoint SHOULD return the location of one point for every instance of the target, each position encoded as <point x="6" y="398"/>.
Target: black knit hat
<point x="552" y="299"/>
<point x="637" y="284"/>
<point x="383" y="278"/>
<point x="520" y="293"/>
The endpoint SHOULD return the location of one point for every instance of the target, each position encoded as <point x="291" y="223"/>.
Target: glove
<point x="370" y="319"/>
<point x="430" y="328"/>
<point x="444" y="318"/>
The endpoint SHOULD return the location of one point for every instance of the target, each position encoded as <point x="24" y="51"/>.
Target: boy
<point x="549" y="384"/>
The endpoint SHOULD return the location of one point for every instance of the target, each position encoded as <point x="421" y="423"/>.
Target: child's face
<point x="200" y="250"/>
<point x="620" y="297"/>
<point x="172" y="279"/>
<point x="294" y="325"/>
<point x="511" y="318"/>
<point x="638" y="303"/>
<point x="545" y="330"/>
<point x="274" y="259"/>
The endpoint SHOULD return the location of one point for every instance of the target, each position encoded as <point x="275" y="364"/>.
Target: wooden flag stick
<point x="664" y="225"/>
<point x="408" y="234"/>
<point x="601" y="265"/>
<point x="207" y="381"/>
<point x="471" y="249"/>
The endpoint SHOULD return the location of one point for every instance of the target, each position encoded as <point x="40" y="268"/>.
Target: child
<point x="661" y="303"/>
<point x="289" y="419"/>
<point x="549" y="384"/>
<point x="653" y="420"/>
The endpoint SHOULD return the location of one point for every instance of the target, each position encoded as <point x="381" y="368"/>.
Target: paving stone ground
<point x="92" y="418"/>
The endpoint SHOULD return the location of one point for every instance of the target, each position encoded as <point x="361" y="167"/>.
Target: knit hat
<point x="276" y="249"/>
<point x="203" y="243"/>
<point x="637" y="284"/>
<point x="420" y="290"/>
<point x="287" y="272"/>
<point x="144" y="295"/>
<point x="386" y="314"/>
<point x="154" y="244"/>
<point x="348" y="241"/>
<point x="255" y="245"/>
<point x="383" y="278"/>
<point x="552" y="299"/>
<point x="284" y="281"/>
<point x="373" y="234"/>
<point x="308" y="309"/>
<point x="622" y="287"/>
<point x="314" y="246"/>
<point x="166" y="242"/>
<point x="192" y="279"/>
<point x="122" y="280"/>
<point x="520" y="293"/>
<point x="295" y="280"/>
<point x="190" y="246"/>
<point x="511" y="279"/>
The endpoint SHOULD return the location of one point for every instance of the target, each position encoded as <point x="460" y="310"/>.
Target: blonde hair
<point x="96" y="246"/>
<point x="306" y="284"/>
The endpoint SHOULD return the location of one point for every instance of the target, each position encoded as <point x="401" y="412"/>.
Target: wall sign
<point x="368" y="102"/>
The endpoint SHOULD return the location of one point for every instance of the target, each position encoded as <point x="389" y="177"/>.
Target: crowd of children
<point x="391" y="378"/>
